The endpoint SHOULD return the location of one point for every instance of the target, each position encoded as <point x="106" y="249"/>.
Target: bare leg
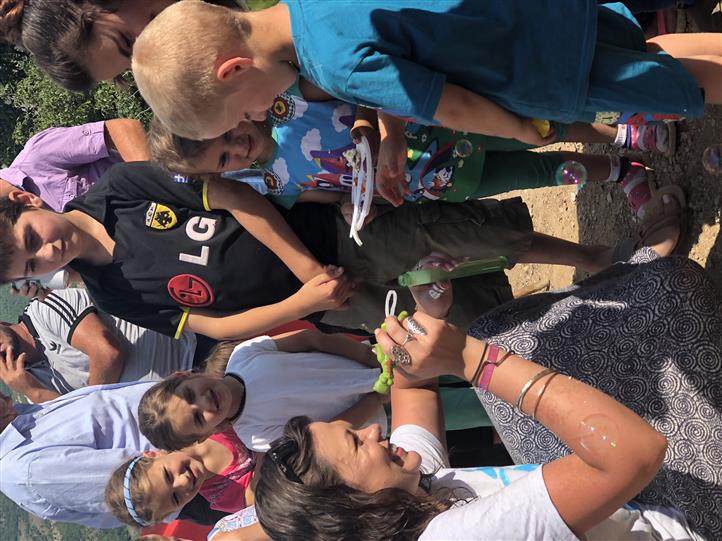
<point x="555" y="251"/>
<point x="597" y="166"/>
<point x="581" y="132"/>
<point x="700" y="54"/>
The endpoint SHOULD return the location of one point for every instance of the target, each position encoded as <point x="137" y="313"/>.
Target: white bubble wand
<point x="362" y="187"/>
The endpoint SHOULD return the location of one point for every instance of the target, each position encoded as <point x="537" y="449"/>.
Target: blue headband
<point x="126" y="493"/>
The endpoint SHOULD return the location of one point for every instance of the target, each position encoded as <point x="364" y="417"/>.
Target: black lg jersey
<point x="173" y="255"/>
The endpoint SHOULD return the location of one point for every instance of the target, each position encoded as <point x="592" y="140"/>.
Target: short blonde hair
<point x="174" y="61"/>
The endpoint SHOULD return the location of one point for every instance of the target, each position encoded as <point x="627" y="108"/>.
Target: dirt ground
<point x="598" y="213"/>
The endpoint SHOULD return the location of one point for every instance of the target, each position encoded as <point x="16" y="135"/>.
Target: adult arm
<point x="106" y="356"/>
<point x="615" y="452"/>
<point x="462" y="110"/>
<point x="258" y="216"/>
<point x="127" y="137"/>
<point x="323" y="292"/>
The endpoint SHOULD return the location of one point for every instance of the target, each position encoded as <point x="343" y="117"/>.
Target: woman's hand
<point x="438" y="352"/>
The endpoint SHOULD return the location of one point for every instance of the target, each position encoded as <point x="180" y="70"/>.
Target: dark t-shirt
<point x="173" y="255"/>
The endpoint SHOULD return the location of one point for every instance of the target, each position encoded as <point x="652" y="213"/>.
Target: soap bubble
<point x="712" y="159"/>
<point x="598" y="433"/>
<point x="463" y="148"/>
<point x="571" y="173"/>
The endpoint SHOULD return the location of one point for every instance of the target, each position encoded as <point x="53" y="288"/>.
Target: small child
<point x="480" y="67"/>
<point x="266" y="382"/>
<point x="160" y="483"/>
<point x="304" y="156"/>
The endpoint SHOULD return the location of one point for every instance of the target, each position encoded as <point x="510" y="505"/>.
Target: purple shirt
<point x="59" y="164"/>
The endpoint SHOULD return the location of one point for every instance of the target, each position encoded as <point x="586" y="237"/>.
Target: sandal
<point x="655" y="219"/>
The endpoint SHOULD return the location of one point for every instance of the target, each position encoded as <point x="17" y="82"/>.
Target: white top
<point x="513" y="503"/>
<point x="282" y="385"/>
<point x="149" y="355"/>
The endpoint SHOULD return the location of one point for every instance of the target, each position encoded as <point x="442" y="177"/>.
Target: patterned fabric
<point x="649" y="333"/>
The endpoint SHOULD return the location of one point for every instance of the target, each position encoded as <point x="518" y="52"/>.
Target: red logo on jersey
<point x="190" y="290"/>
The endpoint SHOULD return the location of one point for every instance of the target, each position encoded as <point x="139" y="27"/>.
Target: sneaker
<point x="660" y="137"/>
<point x="636" y="185"/>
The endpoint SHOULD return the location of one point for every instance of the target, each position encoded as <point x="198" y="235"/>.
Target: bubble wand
<point x="386" y="378"/>
<point x="362" y="187"/>
<point x="467" y="268"/>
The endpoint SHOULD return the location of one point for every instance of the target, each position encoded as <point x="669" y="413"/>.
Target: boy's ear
<point x="232" y="67"/>
<point x="153" y="454"/>
<point x="26" y="198"/>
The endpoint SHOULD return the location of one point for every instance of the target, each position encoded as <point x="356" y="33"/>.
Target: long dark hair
<point x="56" y="32"/>
<point x="323" y="508"/>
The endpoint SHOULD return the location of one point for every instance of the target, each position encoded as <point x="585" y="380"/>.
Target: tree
<point x="31" y="103"/>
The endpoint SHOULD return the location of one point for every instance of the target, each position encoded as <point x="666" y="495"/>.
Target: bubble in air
<point x="571" y="173"/>
<point x="712" y="159"/>
<point x="463" y="148"/>
<point x="598" y="433"/>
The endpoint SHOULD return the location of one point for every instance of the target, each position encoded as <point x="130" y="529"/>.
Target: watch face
<point x="190" y="290"/>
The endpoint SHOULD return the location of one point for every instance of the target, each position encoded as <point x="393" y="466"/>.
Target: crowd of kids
<point x="239" y="224"/>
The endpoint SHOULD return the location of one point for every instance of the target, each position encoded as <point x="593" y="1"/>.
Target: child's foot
<point x="660" y="137"/>
<point x="637" y="188"/>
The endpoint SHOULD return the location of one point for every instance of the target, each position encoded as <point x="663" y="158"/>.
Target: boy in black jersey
<point x="171" y="255"/>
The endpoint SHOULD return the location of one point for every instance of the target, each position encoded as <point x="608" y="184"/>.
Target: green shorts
<point x="396" y="240"/>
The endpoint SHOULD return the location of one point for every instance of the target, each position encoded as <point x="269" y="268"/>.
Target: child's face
<point x="45" y="241"/>
<point x="237" y="149"/>
<point x="253" y="91"/>
<point x="175" y="479"/>
<point x="199" y="405"/>
<point x="110" y="43"/>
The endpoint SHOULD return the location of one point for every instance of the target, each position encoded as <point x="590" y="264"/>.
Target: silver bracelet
<point x="528" y="385"/>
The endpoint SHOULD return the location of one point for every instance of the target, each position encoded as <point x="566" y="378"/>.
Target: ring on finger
<point x="408" y="338"/>
<point x="400" y="356"/>
<point x="415" y="327"/>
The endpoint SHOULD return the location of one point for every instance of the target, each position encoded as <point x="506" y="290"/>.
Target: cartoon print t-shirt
<point x="314" y="141"/>
<point x="173" y="254"/>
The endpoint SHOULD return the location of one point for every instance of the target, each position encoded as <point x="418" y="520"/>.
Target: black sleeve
<point x="138" y="181"/>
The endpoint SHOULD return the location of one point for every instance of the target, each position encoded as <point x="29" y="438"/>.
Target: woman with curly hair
<point x="600" y="476"/>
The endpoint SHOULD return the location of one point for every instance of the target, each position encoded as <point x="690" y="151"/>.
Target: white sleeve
<point x="56" y="317"/>
<point x="521" y="511"/>
<point x="416" y="438"/>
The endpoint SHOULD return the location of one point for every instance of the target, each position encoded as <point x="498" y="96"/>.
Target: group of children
<point x="448" y="93"/>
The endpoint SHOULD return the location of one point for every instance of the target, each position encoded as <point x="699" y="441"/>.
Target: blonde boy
<point x="483" y="67"/>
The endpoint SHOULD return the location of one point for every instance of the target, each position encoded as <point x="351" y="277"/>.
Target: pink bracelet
<point x="488" y="369"/>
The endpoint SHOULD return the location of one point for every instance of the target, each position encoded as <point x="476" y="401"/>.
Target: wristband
<point x="528" y="385"/>
<point x="488" y="368"/>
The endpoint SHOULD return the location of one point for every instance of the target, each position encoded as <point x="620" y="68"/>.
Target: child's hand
<point x="12" y="369"/>
<point x="529" y="134"/>
<point x="435" y="299"/>
<point x="30" y="289"/>
<point x="372" y="136"/>
<point x="346" y="209"/>
<point x="328" y="291"/>
<point x="391" y="168"/>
